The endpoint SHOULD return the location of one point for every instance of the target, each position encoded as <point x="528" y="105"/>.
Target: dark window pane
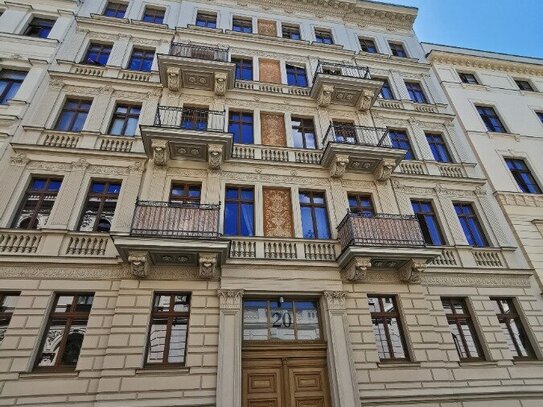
<point x="397" y="50"/>
<point x="368" y="45"/>
<point x="462" y="329"/>
<point x="208" y="20"/>
<point x="97" y="54"/>
<point x="386" y="91"/>
<point x="323" y="36"/>
<point x="470" y="225"/>
<point x="523" y="176"/>
<point x="239" y="212"/>
<point x="124" y="121"/>
<point x="37" y="203"/>
<point x="296" y="76"/>
<point x="491" y="119"/>
<point x="153" y="15"/>
<point x="431" y="231"/>
<point x="100" y="206"/>
<point x="438" y="147"/>
<point x="39" y="27"/>
<point x="10" y="82"/>
<point x="244" y="25"/>
<point x="114" y="9"/>
<point x="291" y="31"/>
<point x="416" y="94"/>
<point x="400" y="140"/>
<point x="315" y="223"/>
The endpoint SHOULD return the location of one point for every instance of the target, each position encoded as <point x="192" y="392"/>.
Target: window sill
<point x="527" y="361"/>
<point x="161" y="371"/>
<point x="47" y="374"/>
<point x="477" y="363"/>
<point x="397" y="364"/>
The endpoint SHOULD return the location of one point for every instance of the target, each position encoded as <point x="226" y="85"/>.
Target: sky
<point x="508" y="26"/>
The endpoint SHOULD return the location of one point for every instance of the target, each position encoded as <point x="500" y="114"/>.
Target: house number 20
<point x="282" y="320"/>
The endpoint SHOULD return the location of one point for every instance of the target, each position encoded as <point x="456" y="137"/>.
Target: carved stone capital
<point x="339" y="166"/>
<point x="214" y="156"/>
<point x="139" y="263"/>
<point x="174" y="77"/>
<point x="230" y="299"/>
<point x="412" y="270"/>
<point x="19" y="159"/>
<point x="80" y="165"/>
<point x="325" y="96"/>
<point x="220" y="83"/>
<point x="357" y="269"/>
<point x="335" y="299"/>
<point x="160" y="152"/>
<point x="365" y="100"/>
<point x="208" y="266"/>
<point x="384" y="169"/>
<point x="137" y="168"/>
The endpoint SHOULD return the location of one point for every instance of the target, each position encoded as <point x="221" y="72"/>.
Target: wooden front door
<point x="293" y="377"/>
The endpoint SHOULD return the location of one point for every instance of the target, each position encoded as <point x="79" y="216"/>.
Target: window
<point x="323" y="36"/>
<point x="416" y="93"/>
<point x="239" y="211"/>
<point x="167" y="342"/>
<point x="97" y="54"/>
<point x="208" y="20"/>
<point x="242" y="25"/>
<point x="344" y="132"/>
<point x="540" y="115"/>
<point x="491" y="119"/>
<point x="303" y="133"/>
<point x="141" y="60"/>
<point x="37" y="203"/>
<point x="244" y="68"/>
<point x="387" y="328"/>
<point x="362" y="204"/>
<point x="7" y="306"/>
<point x="283" y="320"/>
<point x="524" y="85"/>
<point x="523" y="176"/>
<point x="153" y="15"/>
<point x="65" y="330"/>
<point x="39" y="27"/>
<point x="73" y="115"/>
<point x="114" y="9"/>
<point x="125" y="120"/>
<point x="462" y="329"/>
<point x="470" y="224"/>
<point x="400" y="141"/>
<point x="386" y="91"/>
<point x="241" y="125"/>
<point x="100" y="206"/>
<point x="10" y="82"/>
<point x="424" y="212"/>
<point x="291" y="31"/>
<point x="438" y="147"/>
<point x="514" y="332"/>
<point x="194" y="118"/>
<point x="368" y="45"/>
<point x="186" y="193"/>
<point x="296" y="75"/>
<point x="397" y="49"/>
<point x="315" y="223"/>
<point x="468" y="78"/>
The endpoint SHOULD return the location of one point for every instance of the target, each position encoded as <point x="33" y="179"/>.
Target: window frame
<point x="145" y="54"/>
<point x="539" y="115"/>
<point x="77" y="111"/>
<point x="245" y="24"/>
<point x="395" y="47"/>
<point x="473" y="215"/>
<point x="386" y="81"/>
<point x="118" y="4"/>
<point x="312" y="205"/>
<point x="416" y="92"/>
<point x="304" y="130"/>
<point x="433" y="214"/>
<point x="367" y="211"/>
<point x="206" y="17"/>
<point x="5" y="317"/>
<point x="289" y="28"/>
<point x="495" y="115"/>
<point x="10" y="82"/>
<point x="185" y="198"/>
<point x="242" y="65"/>
<point x="102" y="45"/>
<point x="240" y="125"/>
<point x="410" y="153"/>
<point x="325" y="35"/>
<point x="516" y="173"/>
<point x="32" y="26"/>
<point x="103" y="196"/>
<point x="297" y="71"/>
<point x="239" y="201"/>
<point x="524" y="85"/>
<point x="362" y="41"/>
<point x="387" y="315"/>
<point x="441" y="143"/>
<point x="464" y="78"/>
<point x="154" y="12"/>
<point x="196" y="115"/>
<point x="125" y="117"/>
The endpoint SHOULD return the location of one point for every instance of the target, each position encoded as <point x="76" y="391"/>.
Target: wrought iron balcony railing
<point x="175" y="220"/>
<point x="207" y="53"/>
<point x="357" y="229"/>
<point x="361" y="135"/>
<point x="189" y="118"/>
<point x="351" y="71"/>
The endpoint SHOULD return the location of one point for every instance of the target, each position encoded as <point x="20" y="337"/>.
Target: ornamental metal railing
<point x="358" y="229"/>
<point x="361" y="135"/>
<point x="351" y="71"/>
<point x="189" y="118"/>
<point x="184" y="220"/>
<point x="204" y="52"/>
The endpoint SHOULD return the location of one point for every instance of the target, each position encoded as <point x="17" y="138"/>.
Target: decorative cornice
<point x="519" y="199"/>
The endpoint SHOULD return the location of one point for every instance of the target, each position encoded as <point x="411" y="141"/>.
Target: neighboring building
<point x="260" y="203"/>
<point x="499" y="101"/>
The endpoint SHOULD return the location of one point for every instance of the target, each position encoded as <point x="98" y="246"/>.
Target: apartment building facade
<point x="250" y="203"/>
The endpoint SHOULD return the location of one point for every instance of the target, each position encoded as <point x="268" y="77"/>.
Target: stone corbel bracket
<point x="339" y="166"/>
<point x="174" y="78"/>
<point x="160" y="152"/>
<point x="411" y="271"/>
<point x="356" y="270"/>
<point x="139" y="262"/>
<point x="215" y="156"/>
<point x="208" y="266"/>
<point x="325" y="96"/>
<point x="365" y="100"/>
<point x="221" y="80"/>
<point x="384" y="169"/>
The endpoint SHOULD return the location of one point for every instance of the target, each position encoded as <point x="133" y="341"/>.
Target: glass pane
<point x="307" y="320"/>
<point x="64" y="303"/>
<point x="255" y="320"/>
<point x="322" y="223"/>
<point x="51" y="346"/>
<point x="281" y="321"/>
<point x="3" y="329"/>
<point x="380" y="338"/>
<point x="74" y="342"/>
<point x="458" y="341"/>
<point x="307" y="223"/>
<point x="396" y="338"/>
<point x="162" y="302"/>
<point x="178" y="339"/>
<point x="8" y="303"/>
<point x="231" y="219"/>
<point x="181" y="303"/>
<point x="117" y="127"/>
<point x="157" y="338"/>
<point x="247" y="220"/>
<point x="469" y="337"/>
<point x="84" y="303"/>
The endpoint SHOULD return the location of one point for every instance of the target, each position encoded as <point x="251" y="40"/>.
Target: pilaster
<point x="127" y="200"/>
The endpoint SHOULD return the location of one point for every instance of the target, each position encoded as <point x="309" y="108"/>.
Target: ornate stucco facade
<point x="294" y="152"/>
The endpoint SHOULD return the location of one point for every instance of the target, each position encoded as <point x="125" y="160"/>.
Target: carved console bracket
<point x="335" y="300"/>
<point x="325" y="96"/>
<point x="174" y="77"/>
<point x="366" y="99"/>
<point x="160" y="152"/>
<point x="230" y="299"/>
<point x="339" y="166"/>
<point x="356" y="270"/>
<point x="139" y="263"/>
<point x="384" y="169"/>
<point x="221" y="80"/>
<point x="215" y="156"/>
<point x="412" y="270"/>
<point x="208" y="266"/>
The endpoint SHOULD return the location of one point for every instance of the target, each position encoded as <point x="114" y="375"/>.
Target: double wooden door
<point x="285" y="377"/>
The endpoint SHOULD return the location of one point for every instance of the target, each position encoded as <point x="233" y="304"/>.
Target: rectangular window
<point x="425" y="214"/>
<point x="73" y="115"/>
<point x="323" y="36"/>
<point x="239" y="211"/>
<point x="470" y="224"/>
<point x="185" y="193"/>
<point x="438" y="147"/>
<point x="400" y="140"/>
<point x="100" y="206"/>
<point x="386" y="90"/>
<point x="468" y="78"/>
<point x="39" y="27"/>
<point x="10" y="82"/>
<point x="523" y="176"/>
<point x="303" y="133"/>
<point x="397" y="49"/>
<point x="8" y="301"/>
<point x="491" y="119"/>
<point x="540" y="115"/>
<point x="244" y="68"/>
<point x="513" y="329"/>
<point x="368" y="45"/>
<point x="361" y="203"/>
<point x="291" y="31"/>
<point x="315" y="224"/>
<point x="208" y="20"/>
<point x="125" y="120"/>
<point x="344" y="132"/>
<point x="167" y="343"/>
<point x="141" y="60"/>
<point x="242" y="25"/>
<point x="194" y="118"/>
<point x="283" y="320"/>
<point x="296" y="75"/>
<point x="416" y="94"/>
<point x="37" y="203"/>
<point x="153" y="15"/>
<point x="97" y="54"/>
<point x="114" y="9"/>
<point x="240" y="124"/>
<point x="387" y="328"/>
<point x="524" y="85"/>
<point x="462" y="329"/>
<point x="65" y="331"/>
